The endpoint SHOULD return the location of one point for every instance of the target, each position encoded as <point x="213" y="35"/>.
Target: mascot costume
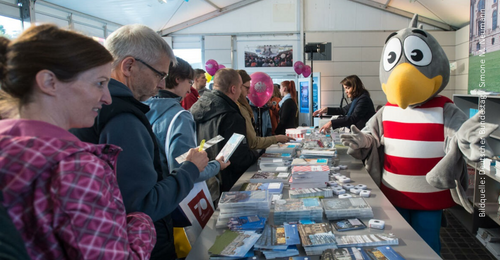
<point x="417" y="145"/>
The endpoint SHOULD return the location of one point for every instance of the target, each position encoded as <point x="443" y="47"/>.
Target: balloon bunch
<point x="300" y="68"/>
<point x="211" y="66"/>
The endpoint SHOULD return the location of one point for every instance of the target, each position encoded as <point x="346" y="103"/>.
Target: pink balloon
<point x="306" y="71"/>
<point x="211" y="66"/>
<point x="221" y="66"/>
<point x="298" y="66"/>
<point x="261" y="88"/>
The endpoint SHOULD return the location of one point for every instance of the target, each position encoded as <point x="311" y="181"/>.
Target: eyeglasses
<point x="160" y="75"/>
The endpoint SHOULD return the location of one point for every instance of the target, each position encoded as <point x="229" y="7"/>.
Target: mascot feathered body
<point x="417" y="145"/>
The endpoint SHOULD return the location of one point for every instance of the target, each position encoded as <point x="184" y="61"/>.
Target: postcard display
<point x="315" y="186"/>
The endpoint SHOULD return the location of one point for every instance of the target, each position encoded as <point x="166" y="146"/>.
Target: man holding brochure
<point x="216" y="113"/>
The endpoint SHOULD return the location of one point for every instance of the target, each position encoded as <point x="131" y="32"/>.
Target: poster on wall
<point x="484" y="46"/>
<point x="304" y="93"/>
<point x="271" y="55"/>
<point x="267" y="56"/>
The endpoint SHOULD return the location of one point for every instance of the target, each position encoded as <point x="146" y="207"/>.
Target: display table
<point x="411" y="246"/>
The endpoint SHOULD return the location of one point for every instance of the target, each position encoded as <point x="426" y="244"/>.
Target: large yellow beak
<point x="408" y="86"/>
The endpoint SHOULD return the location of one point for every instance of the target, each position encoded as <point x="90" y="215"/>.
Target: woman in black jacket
<point x="358" y="112"/>
<point x="288" y="107"/>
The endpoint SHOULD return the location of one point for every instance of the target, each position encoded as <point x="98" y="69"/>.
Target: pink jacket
<point x="62" y="195"/>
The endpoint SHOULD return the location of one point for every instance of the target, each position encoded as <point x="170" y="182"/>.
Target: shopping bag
<point x="198" y="208"/>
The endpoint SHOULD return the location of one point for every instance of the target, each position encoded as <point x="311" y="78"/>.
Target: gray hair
<point x="139" y="41"/>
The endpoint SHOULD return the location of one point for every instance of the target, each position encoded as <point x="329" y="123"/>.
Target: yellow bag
<point x="181" y="242"/>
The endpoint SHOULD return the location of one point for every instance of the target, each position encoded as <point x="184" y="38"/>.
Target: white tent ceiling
<point x="182" y="13"/>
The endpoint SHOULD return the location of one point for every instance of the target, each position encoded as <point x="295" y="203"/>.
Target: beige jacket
<point x="254" y="141"/>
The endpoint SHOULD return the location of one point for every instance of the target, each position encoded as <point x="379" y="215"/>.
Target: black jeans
<point x="164" y="248"/>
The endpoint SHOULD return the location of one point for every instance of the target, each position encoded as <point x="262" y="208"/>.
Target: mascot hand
<point x="355" y="140"/>
<point x="470" y="136"/>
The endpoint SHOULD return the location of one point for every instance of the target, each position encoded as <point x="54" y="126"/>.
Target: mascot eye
<point x="392" y="53"/>
<point x="417" y="51"/>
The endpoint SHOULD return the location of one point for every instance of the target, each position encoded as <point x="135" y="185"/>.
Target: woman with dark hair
<point x="357" y="113"/>
<point x="61" y="193"/>
<point x="173" y="125"/>
<point x="254" y="141"/>
<point x="288" y="107"/>
<point x="274" y="107"/>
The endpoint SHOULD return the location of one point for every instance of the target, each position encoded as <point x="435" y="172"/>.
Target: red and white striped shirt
<point x="414" y="144"/>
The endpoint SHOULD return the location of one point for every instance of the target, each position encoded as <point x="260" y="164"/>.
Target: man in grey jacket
<point x="141" y="62"/>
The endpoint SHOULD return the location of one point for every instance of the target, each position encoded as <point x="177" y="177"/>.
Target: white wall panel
<point x="219" y="49"/>
<point x="9" y="9"/>
<point x="257" y="17"/>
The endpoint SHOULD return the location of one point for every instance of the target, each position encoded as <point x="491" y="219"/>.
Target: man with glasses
<point x="141" y="62"/>
<point x="216" y="113"/>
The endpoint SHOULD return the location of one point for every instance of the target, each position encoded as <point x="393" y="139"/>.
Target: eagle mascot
<point x="417" y="146"/>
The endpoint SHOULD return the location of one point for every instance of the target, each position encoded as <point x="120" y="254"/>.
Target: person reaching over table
<point x="358" y="112"/>
<point x="254" y="141"/>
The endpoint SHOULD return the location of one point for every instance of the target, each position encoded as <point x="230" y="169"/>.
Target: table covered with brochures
<point x="409" y="244"/>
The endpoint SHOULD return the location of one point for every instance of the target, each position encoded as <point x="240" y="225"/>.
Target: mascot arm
<point x="471" y="137"/>
<point x="462" y="140"/>
<point x="367" y="145"/>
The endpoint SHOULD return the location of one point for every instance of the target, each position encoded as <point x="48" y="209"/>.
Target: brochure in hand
<point x="182" y="158"/>
<point x="230" y="146"/>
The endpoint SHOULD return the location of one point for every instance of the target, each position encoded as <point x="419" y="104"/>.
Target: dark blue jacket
<point x="143" y="184"/>
<point x="361" y="113"/>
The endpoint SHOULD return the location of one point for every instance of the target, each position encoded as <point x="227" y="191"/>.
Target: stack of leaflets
<point x="283" y="148"/>
<point x="233" y="244"/>
<point x="348" y="224"/>
<point x="271" y="187"/>
<point x="294" y="210"/>
<point x="296" y="132"/>
<point x="309" y="177"/>
<point x="269" y="167"/>
<point x="382" y="252"/>
<point x="253" y="222"/>
<point x="263" y="177"/>
<point x="355" y="207"/>
<point x="276" y="162"/>
<point x="278" y="237"/>
<point x="242" y="203"/>
<point x="310" y="162"/>
<point x="279" y="241"/>
<point x="270" y="156"/>
<point x="311" y="193"/>
<point x="316" y="238"/>
<point x="329" y="153"/>
<point x="381" y="239"/>
<point x="351" y="253"/>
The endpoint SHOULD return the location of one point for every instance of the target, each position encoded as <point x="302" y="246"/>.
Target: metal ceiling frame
<point x="387" y="8"/>
<point x="205" y="17"/>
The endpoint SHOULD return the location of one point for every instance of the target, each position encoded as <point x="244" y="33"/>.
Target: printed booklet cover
<point x="348" y="224"/>
<point x="230" y="146"/>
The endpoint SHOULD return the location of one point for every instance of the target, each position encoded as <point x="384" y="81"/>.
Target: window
<point x="11" y="28"/>
<point x="478" y="46"/>
<point x="492" y="41"/>
<point x="480" y="5"/>
<point x="192" y="56"/>
<point x="494" y="19"/>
